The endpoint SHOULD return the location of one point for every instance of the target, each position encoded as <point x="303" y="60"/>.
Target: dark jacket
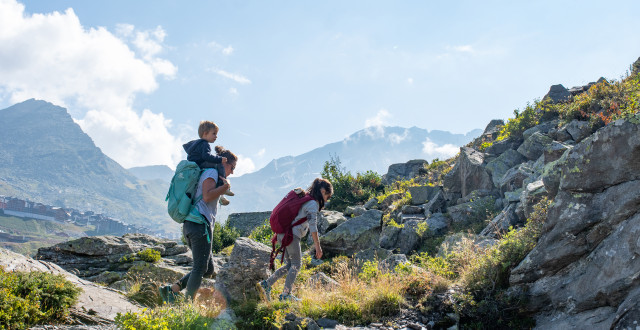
<point x="199" y="152"/>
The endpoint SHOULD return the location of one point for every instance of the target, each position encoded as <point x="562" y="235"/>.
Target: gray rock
<point x="389" y="237"/>
<point x="404" y="171"/>
<point x="392" y="261"/>
<point x="493" y="128"/>
<point x="552" y="173"/>
<point x="423" y="194"/>
<point x="470" y="212"/>
<point x="501" y="223"/>
<point x="499" y="166"/>
<point x="321" y="279"/>
<point x="499" y="147"/>
<point x="578" y="130"/>
<point x="326" y="323"/>
<point x="329" y="220"/>
<point x="531" y="195"/>
<point x="437" y="203"/>
<point x="410" y="209"/>
<point x="560" y="134"/>
<point x="515" y="177"/>
<point x="371" y="203"/>
<point x="468" y="174"/>
<point x="248" y="264"/>
<point x="353" y="235"/>
<point x="513" y="196"/>
<point x="103" y="303"/>
<point x="583" y="270"/>
<point x="534" y="146"/>
<point x="246" y="222"/>
<point x="438" y="224"/>
<point x="554" y="151"/>
<point x="355" y="211"/>
<point x="371" y="254"/>
<point x="410" y="236"/>
<point x="543" y="128"/>
<point x="557" y="94"/>
<point x="386" y="203"/>
<point x="608" y="157"/>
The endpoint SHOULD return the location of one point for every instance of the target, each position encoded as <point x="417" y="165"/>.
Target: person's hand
<point x="224" y="160"/>
<point x="225" y="183"/>
<point x="318" y="252"/>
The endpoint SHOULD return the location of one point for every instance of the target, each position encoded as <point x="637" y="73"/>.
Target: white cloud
<point x="233" y="76"/>
<point x="245" y="165"/>
<point x="261" y="152"/>
<point x="54" y="58"/>
<point x="396" y="138"/>
<point x="463" y="49"/>
<point x="444" y="151"/>
<point x="233" y="91"/>
<point x="218" y="47"/>
<point x="227" y="50"/>
<point x="375" y="125"/>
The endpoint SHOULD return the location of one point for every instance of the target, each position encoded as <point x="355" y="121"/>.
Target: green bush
<point x="262" y="233"/>
<point x="348" y="189"/>
<point x="222" y="237"/>
<point x="181" y="316"/>
<point x="149" y="255"/>
<point x="35" y="297"/>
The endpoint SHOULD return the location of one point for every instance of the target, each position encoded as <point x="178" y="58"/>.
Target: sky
<point x="284" y="77"/>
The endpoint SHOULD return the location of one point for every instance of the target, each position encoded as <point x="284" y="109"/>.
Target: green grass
<point x="39" y="233"/>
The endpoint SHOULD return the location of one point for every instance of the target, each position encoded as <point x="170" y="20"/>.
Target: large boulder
<point x="438" y="224"/>
<point x="96" y="303"/>
<point x="471" y="212"/>
<point x="389" y="236"/>
<point x="579" y="130"/>
<point x="557" y="93"/>
<point x="499" y="166"/>
<point x="248" y="264"/>
<point x="355" y="234"/>
<point x="404" y="171"/>
<point x="501" y="222"/>
<point x="609" y="157"/>
<point x="411" y="236"/>
<point x="329" y="220"/>
<point x="423" y="194"/>
<point x="88" y="257"/>
<point x="468" y="174"/>
<point x="583" y="271"/>
<point x="245" y="223"/>
<point x="534" y="146"/>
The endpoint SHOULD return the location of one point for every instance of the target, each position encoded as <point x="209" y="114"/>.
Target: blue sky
<point x="283" y="77"/>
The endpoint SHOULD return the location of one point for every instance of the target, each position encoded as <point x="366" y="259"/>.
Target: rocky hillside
<point x="46" y="157"/>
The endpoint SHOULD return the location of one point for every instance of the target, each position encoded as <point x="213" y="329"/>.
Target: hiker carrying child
<point x="198" y="230"/>
<point x="199" y="152"/>
<point x="316" y="196"/>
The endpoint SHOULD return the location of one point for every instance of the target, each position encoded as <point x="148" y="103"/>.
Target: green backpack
<point x="181" y="195"/>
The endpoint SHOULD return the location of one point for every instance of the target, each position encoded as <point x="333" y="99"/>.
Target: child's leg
<point x="295" y="262"/>
<point x="280" y="272"/>
<point x="221" y="172"/>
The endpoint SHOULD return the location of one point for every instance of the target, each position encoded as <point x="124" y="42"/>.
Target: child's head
<point x="321" y="190"/>
<point x="208" y="130"/>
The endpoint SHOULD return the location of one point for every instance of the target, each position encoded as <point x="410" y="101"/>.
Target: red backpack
<point x="281" y="221"/>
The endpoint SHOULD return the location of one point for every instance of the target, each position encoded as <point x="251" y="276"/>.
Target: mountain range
<point x="46" y="157"/>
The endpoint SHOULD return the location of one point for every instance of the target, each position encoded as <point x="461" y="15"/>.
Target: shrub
<point x="262" y="233"/>
<point x="180" y="316"/>
<point x="34" y="297"/>
<point x="222" y="237"/>
<point x="348" y="189"/>
<point x="149" y="255"/>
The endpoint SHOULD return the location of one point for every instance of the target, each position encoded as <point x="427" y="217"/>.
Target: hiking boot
<point x="265" y="290"/>
<point x="229" y="193"/>
<point x="288" y="297"/>
<point x="167" y="294"/>
<point x="224" y="201"/>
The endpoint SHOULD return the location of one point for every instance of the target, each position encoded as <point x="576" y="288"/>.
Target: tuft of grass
<point x="29" y="298"/>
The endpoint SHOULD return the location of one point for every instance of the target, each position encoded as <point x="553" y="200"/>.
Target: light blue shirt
<point x="209" y="210"/>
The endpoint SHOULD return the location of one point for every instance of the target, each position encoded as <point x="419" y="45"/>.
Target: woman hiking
<point x="198" y="231"/>
<point x="321" y="190"/>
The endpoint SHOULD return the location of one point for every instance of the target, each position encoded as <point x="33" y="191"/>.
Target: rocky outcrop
<point x="245" y="223"/>
<point x="328" y="220"/>
<point x="404" y="171"/>
<point x="112" y="260"/>
<point x="558" y="93"/>
<point x="355" y="234"/>
<point x="96" y="304"/>
<point x="468" y="174"/>
<point x="590" y="238"/>
<point x="248" y="264"/>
